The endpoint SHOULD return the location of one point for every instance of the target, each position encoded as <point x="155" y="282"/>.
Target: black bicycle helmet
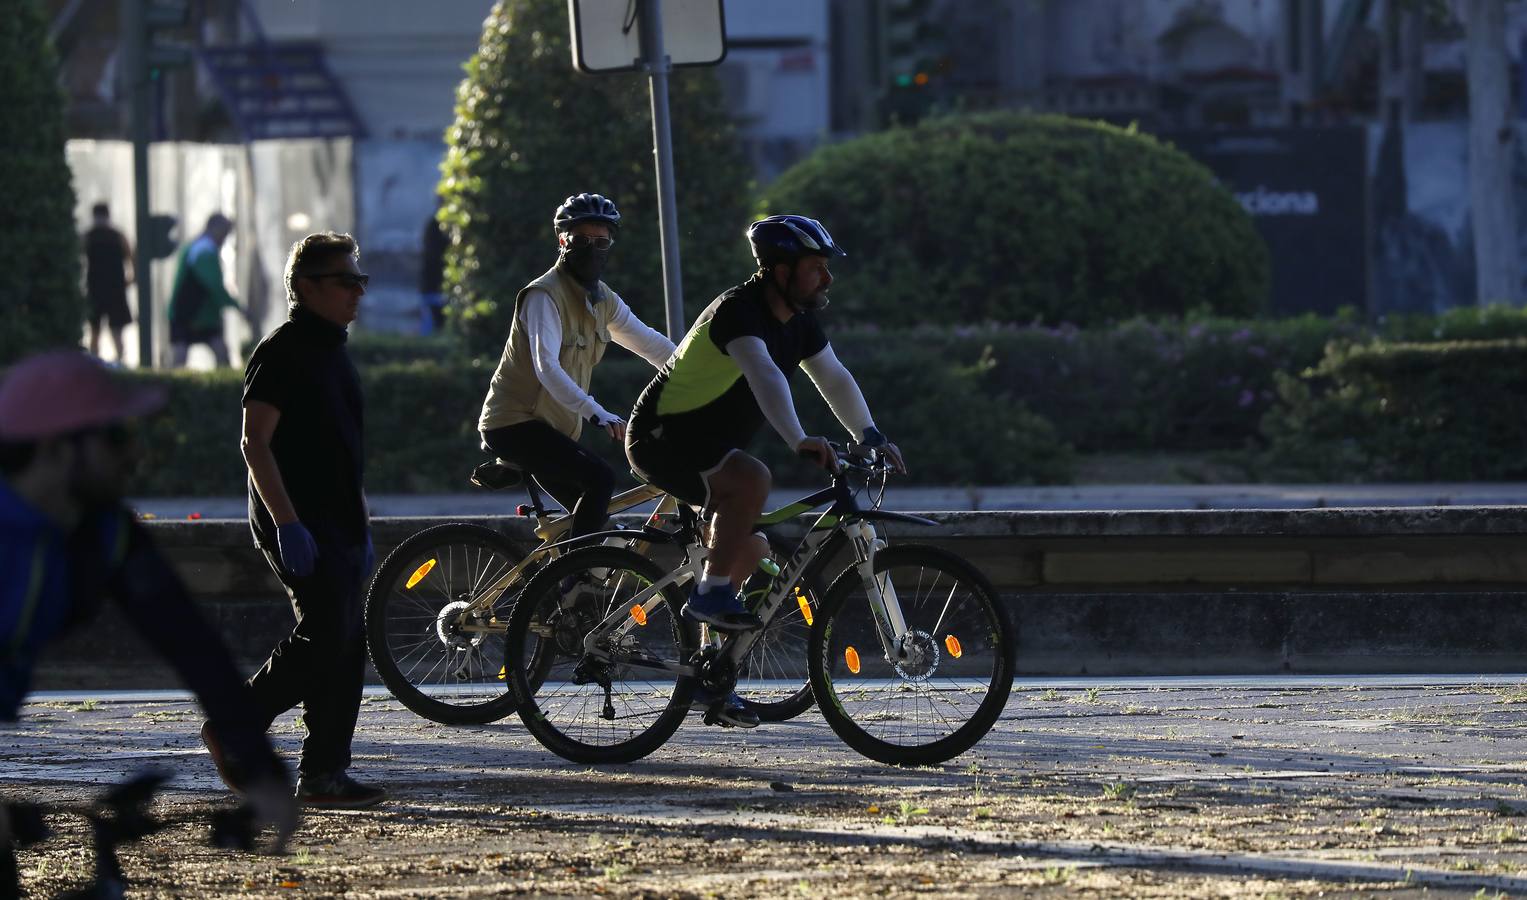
<point x="786" y="238"/>
<point x="585" y="208"/>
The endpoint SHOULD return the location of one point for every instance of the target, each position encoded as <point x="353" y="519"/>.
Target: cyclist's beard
<point x="799" y="301"/>
<point x="585" y="264"/>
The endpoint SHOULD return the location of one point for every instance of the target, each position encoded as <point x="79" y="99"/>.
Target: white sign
<point x="607" y="34"/>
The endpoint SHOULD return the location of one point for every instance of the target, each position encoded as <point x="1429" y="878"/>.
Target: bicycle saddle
<point x="497" y="474"/>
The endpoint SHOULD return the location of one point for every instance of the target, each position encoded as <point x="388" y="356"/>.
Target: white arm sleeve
<point x="769" y="387"/>
<point x="635" y="335"/>
<point x="544" y="327"/>
<point x="838" y="387"/>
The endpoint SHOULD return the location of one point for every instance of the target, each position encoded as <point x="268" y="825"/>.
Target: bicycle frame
<point x="843" y="517"/>
<point x="550" y="530"/>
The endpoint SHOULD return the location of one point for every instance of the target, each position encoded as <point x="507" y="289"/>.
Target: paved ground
<point x="1095" y="496"/>
<point x="1144" y="787"/>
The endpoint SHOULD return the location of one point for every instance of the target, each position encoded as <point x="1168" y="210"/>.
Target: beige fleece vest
<point x="516" y="394"/>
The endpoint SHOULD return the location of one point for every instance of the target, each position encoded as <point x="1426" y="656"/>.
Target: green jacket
<point x="199" y="296"/>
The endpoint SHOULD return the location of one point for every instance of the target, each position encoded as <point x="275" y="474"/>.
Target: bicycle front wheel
<point x="620" y="699"/>
<point x="942" y="694"/>
<point x="439" y="653"/>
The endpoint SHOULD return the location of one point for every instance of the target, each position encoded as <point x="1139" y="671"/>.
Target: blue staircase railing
<point x="279" y="89"/>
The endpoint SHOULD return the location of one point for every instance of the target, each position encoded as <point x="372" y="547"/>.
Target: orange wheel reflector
<point x="953" y="643"/>
<point x="503" y="673"/>
<point x="804" y="604"/>
<point x="419" y="574"/>
<point x="639" y="614"/>
<point x="851" y="656"/>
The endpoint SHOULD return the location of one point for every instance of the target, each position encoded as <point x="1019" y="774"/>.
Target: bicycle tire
<point x="567" y="597"/>
<point x="965" y="644"/>
<point x="433" y="669"/>
<point x="780" y="653"/>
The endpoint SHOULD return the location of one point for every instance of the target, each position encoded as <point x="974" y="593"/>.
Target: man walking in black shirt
<point x="302" y="444"/>
<point x="108" y="272"/>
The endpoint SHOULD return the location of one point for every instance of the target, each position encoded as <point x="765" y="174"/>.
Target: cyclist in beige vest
<point x="539" y="399"/>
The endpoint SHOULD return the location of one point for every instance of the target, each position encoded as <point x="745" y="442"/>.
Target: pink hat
<point x="60" y="391"/>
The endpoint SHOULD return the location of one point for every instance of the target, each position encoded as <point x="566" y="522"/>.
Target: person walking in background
<point x="307" y="507"/>
<point x="199" y="296"/>
<point x="67" y="453"/>
<point x="538" y="399"/>
<point x="432" y="275"/>
<point x="108" y="272"/>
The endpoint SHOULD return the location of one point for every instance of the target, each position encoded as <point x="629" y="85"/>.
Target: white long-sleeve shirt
<point x="772" y="391"/>
<point x="543" y="325"/>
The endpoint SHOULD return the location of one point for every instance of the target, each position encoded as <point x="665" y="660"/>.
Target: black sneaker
<point x="730" y="712"/>
<point x="337" y="791"/>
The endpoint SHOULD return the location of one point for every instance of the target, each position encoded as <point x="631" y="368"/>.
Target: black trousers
<point x="578" y="479"/>
<point x="322" y="663"/>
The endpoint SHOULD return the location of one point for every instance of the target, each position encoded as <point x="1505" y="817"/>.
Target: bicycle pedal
<point x="713" y="717"/>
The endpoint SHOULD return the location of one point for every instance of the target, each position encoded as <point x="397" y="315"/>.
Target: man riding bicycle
<point x="730" y="375"/>
<point x="563" y="322"/>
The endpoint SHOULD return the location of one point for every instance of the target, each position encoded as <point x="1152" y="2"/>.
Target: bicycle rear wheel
<point x="622" y="701"/>
<point x="775" y="680"/>
<point x="954" y="682"/>
<point x="440" y="658"/>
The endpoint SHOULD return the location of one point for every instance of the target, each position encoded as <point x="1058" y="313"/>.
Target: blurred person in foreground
<point x="302" y="443"/>
<point x="67" y="452"/>
<point x="199" y="295"/>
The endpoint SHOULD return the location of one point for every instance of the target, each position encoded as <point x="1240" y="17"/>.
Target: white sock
<point x="710" y="581"/>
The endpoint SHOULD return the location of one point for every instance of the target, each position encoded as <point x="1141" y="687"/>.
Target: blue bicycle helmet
<point x="585" y="208"/>
<point x="787" y="238"/>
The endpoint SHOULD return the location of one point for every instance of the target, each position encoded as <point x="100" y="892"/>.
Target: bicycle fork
<point x="894" y="634"/>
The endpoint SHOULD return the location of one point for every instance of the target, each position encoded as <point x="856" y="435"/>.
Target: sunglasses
<point x="598" y="243"/>
<point x="348" y="279"/>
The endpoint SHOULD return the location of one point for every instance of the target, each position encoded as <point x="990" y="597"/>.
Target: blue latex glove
<point x="298" y="551"/>
<point x="370" y="553"/>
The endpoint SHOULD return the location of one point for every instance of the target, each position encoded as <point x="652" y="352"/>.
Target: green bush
<point x="529" y="131"/>
<point x="1023" y="218"/>
<point x="40" y="298"/>
<point x="1464" y="323"/>
<point x="1453" y="411"/>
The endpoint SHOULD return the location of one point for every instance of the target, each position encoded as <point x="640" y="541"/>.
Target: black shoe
<point x="337" y="791"/>
<point x="729" y="712"/>
<point x="226" y="768"/>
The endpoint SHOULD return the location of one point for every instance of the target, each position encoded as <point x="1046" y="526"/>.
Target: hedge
<point x="1025" y="218"/>
<point x="1451" y="411"/>
<point x="529" y="131"/>
<point x="40" y="298"/>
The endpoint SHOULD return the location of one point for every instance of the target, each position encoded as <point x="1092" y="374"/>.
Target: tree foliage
<point x="530" y="130"/>
<point x="40" y="297"/>
<point x="1014" y="217"/>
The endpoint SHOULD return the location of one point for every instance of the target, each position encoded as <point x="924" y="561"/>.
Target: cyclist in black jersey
<point x="729" y="375"/>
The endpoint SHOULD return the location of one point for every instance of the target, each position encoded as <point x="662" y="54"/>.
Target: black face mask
<point x="585" y="264"/>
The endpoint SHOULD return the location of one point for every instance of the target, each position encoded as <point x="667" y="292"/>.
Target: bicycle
<point x="437" y="609"/>
<point x="910" y="654"/>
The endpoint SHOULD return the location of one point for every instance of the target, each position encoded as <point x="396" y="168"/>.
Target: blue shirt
<point x="38" y="598"/>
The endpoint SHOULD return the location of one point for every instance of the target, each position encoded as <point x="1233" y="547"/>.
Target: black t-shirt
<point x="302" y="370"/>
<point x="701" y="392"/>
<point x="105" y="263"/>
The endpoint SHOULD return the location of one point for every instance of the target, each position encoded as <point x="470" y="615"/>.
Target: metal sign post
<point x="658" y="66"/>
<point x="692" y="33"/>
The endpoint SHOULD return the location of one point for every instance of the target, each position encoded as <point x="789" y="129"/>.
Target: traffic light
<point x="159" y="241"/>
<point x="161" y="52"/>
<point x="914" y="44"/>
